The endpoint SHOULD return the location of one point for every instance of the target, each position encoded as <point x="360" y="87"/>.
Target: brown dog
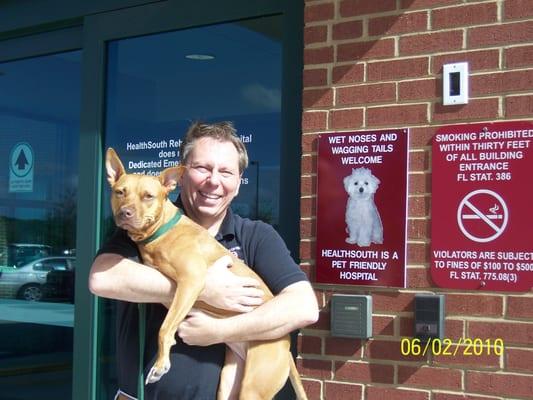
<point x="183" y="250"/>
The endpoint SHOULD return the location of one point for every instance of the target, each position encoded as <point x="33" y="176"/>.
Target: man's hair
<point x="221" y="131"/>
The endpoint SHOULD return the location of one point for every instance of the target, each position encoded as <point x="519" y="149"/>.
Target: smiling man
<point x="215" y="159"/>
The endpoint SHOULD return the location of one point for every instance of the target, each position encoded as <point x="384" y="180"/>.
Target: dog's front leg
<point x="189" y="288"/>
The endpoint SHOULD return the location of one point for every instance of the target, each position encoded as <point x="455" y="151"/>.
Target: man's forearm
<point x="295" y="307"/>
<point x="119" y="278"/>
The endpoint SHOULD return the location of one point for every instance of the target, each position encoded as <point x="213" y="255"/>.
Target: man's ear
<point x="113" y="166"/>
<point x="170" y="177"/>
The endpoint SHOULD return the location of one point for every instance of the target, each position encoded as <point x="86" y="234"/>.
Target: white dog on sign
<point x="363" y="223"/>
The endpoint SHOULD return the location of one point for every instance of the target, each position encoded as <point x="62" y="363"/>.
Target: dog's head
<point x="137" y="200"/>
<point x="361" y="183"/>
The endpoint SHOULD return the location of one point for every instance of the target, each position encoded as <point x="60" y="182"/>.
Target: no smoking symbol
<point x="482" y="215"/>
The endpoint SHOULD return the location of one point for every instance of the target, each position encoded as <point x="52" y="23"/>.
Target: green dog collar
<point x="163" y="229"/>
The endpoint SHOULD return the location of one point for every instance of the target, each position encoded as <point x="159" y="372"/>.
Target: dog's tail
<point x="296" y="381"/>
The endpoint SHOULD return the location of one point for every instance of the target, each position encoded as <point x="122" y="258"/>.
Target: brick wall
<point x="378" y="64"/>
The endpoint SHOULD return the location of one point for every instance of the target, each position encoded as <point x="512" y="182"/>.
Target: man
<point x="215" y="159"/>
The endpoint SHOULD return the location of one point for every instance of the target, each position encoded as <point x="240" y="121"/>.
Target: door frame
<point x="150" y="19"/>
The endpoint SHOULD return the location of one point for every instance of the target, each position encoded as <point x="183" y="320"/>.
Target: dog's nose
<point x="126" y="212"/>
<point x="361" y="190"/>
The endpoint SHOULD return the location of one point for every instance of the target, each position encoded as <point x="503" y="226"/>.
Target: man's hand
<point x="199" y="329"/>
<point x="227" y="291"/>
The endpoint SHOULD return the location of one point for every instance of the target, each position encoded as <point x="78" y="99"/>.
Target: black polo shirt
<point x="195" y="370"/>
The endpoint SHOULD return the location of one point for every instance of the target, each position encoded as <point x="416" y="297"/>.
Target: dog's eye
<point x="149" y="196"/>
<point x="366" y="183"/>
<point x="356" y="183"/>
<point x="119" y="192"/>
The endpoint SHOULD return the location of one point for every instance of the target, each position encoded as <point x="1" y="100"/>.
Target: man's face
<point x="211" y="181"/>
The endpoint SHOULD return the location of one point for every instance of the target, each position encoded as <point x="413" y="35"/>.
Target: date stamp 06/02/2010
<point x="448" y="347"/>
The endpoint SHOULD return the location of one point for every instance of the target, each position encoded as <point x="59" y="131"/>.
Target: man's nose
<point x="214" y="178"/>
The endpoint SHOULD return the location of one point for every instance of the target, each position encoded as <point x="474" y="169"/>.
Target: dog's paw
<point x="350" y="240"/>
<point x="155" y="373"/>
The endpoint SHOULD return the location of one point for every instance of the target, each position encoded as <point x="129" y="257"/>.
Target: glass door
<point x="39" y="139"/>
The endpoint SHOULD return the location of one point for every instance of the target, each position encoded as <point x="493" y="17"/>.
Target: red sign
<point x="481" y="207"/>
<point x="361" y="208"/>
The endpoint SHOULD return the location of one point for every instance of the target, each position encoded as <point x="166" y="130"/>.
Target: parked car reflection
<point x="28" y="282"/>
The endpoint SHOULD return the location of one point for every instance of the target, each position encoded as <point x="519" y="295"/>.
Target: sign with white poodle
<point x="362" y="208"/>
<point x="481" y="206"/>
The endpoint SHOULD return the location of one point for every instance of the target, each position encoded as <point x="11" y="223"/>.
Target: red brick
<point x="342" y="391"/>
<point x="380" y="393"/>
<point x="343" y="347"/>
<point x="307" y="248"/>
<point x="467" y="15"/>
<point x="308" y="208"/>
<point x="417" y="253"/>
<point x="446" y="354"/>
<point x="517" y="9"/>
<point x="449" y="396"/>
<point x="387" y="350"/>
<point x="319" y="12"/>
<point x="521" y="56"/>
<point x="315" y="77"/>
<point x="363" y="372"/>
<point x="309" y="143"/>
<point x="365" y="94"/>
<point x="430" y="43"/>
<point x="418" y="278"/>
<point x="396" y="24"/>
<point x="430" y="377"/>
<point x="422" y="89"/>
<point x="313" y="389"/>
<point x="320" y="369"/>
<point x="308" y="164"/>
<point x="308" y="185"/>
<point x="365" y="50"/>
<point x="454" y="328"/>
<point x="310" y="344"/>
<point x="392" y="302"/>
<point x="506" y="34"/>
<point x="350" y="8"/>
<point x="476" y="109"/>
<point x="397" y="115"/>
<point x="421" y="137"/>
<point x="518" y="360"/>
<point x="307" y="228"/>
<point x="318" y="98"/>
<point x="382" y="325"/>
<point x="346" y="119"/>
<point x="347" y="30"/>
<point x="416" y="4"/>
<point x="323" y="323"/>
<point x="418" y="161"/>
<point x="419" y="206"/>
<point x="352" y="73"/>
<point x="510" y="333"/>
<point x="315" y="34"/>
<point x="508" y="385"/>
<point x="501" y="82"/>
<point x="319" y="55"/>
<point x="398" y="69"/>
<point x="314" y="121"/>
<point x="519" y="307"/>
<point x="470" y="305"/>
<point x="419" y="183"/>
<point x="518" y="106"/>
<point x="478" y="60"/>
<point x="417" y="229"/>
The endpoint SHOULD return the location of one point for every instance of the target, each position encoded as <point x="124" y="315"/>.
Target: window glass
<point x="39" y="139"/>
<point x="157" y="85"/>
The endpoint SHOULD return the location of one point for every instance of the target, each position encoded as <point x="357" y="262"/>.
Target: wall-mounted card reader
<point x="429" y="316"/>
<point x="455" y="84"/>
<point x="351" y="316"/>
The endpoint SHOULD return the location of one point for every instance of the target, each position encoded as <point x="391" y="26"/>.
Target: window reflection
<point x="39" y="140"/>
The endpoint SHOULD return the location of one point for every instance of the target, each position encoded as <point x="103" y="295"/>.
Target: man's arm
<point x="116" y="277"/>
<point x="294" y="307"/>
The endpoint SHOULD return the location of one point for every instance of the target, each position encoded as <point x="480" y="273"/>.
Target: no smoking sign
<point x="482" y="216"/>
<point x="481" y="207"/>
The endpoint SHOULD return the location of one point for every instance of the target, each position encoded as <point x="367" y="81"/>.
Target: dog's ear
<point x="170" y="177"/>
<point x="113" y="166"/>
